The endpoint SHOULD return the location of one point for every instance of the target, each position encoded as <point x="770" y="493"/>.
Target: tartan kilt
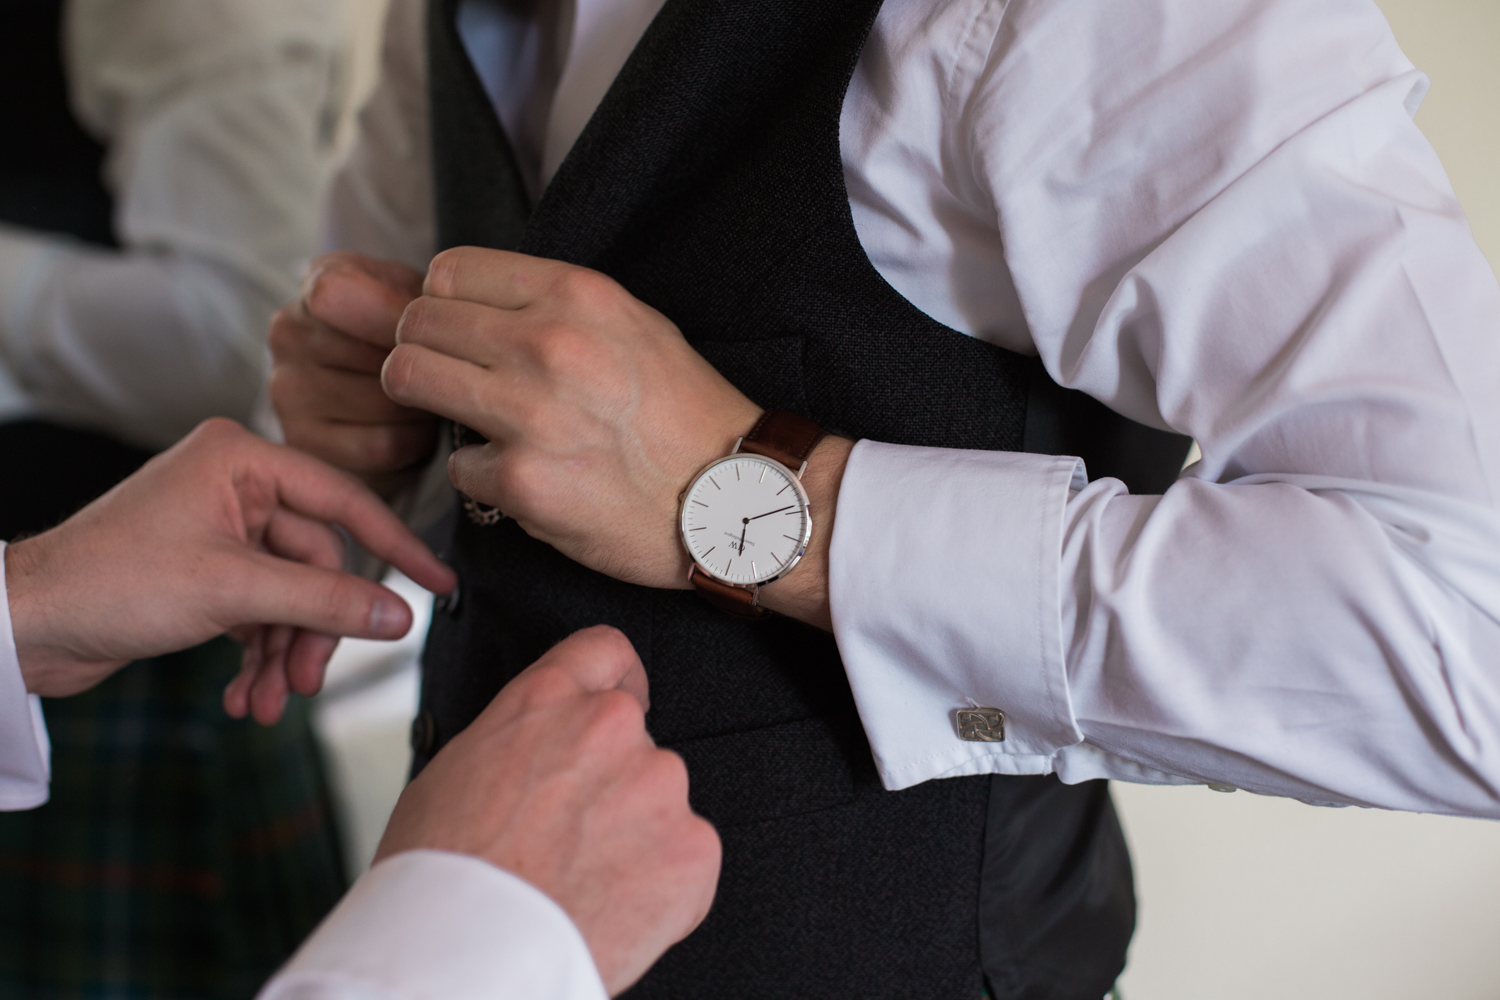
<point x="183" y="854"/>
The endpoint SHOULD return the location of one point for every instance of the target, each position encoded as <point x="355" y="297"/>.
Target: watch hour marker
<point x="784" y="489"/>
<point x="704" y="528"/>
<point x="763" y="470"/>
<point x="706" y="554"/>
<point x="700" y="503"/>
<point x="753" y="570"/>
<point x="793" y="539"/>
<point x="779" y="560"/>
<point x="716" y="485"/>
<point x="727" y="565"/>
<point x="736" y="473"/>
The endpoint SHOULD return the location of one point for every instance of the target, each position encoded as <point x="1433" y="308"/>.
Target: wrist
<point x="803" y="592"/>
<point x="21" y="571"/>
<point x="49" y="666"/>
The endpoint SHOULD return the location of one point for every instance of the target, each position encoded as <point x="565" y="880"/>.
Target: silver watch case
<point x="796" y="481"/>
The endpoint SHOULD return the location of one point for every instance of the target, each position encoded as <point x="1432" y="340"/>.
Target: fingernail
<point x="387" y="618"/>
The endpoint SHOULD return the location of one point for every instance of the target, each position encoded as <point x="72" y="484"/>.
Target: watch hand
<point x="768" y="513"/>
<point x="742" y="535"/>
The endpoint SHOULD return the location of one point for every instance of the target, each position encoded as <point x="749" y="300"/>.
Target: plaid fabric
<point x="183" y="854"/>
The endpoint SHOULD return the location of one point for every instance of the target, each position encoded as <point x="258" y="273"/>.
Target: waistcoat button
<point x="448" y="603"/>
<point x="423" y="733"/>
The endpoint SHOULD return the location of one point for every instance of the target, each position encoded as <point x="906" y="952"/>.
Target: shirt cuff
<point x="25" y="753"/>
<point x="429" y="925"/>
<point x="943" y="584"/>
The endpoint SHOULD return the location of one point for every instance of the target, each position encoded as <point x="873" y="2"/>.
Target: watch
<point x="745" y="519"/>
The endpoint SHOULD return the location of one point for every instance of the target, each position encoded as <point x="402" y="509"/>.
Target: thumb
<point x="596" y="659"/>
<point x="275" y="591"/>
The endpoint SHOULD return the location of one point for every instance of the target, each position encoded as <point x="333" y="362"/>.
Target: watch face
<point x="745" y="519"/>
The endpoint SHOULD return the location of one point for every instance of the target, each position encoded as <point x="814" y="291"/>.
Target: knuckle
<point x="415" y="320"/>
<point x="562" y="349"/>
<point x="215" y="435"/>
<point x="443" y="272"/>
<point x="286" y="333"/>
<point x="701" y="842"/>
<point x="669" y="774"/>
<point x="399" y="371"/>
<point x="609" y="641"/>
<point x="618" y="716"/>
<point x="518" y="480"/>
<point x="585" y="287"/>
<point x="283" y="387"/>
<point x="320" y="286"/>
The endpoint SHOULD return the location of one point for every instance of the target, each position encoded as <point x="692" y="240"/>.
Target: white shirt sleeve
<point x="381" y="200"/>
<point x="221" y="119"/>
<point x="428" y="925"/>
<point x="25" y="753"/>
<point x="1221" y="219"/>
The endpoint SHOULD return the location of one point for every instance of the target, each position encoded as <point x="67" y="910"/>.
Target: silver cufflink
<point x="981" y="725"/>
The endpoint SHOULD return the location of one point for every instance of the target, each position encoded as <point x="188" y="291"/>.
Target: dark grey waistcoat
<point x="709" y="184"/>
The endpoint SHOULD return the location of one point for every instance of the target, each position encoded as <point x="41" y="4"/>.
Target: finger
<point x="494" y="277"/>
<point x="469" y="331"/>
<point x="448" y="386"/>
<point x="365" y="449"/>
<point x="598" y="659"/>
<point x="307" y="661"/>
<point x="474" y="470"/>
<point x="350" y="299"/>
<point x="296" y="337"/>
<point x="334" y="394"/>
<point x="237" y="691"/>
<point x="314" y="490"/>
<point x="277" y="591"/>
<point x="269" y="692"/>
<point x="292" y="536"/>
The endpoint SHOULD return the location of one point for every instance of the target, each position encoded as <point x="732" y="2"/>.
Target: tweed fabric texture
<point x="709" y="184"/>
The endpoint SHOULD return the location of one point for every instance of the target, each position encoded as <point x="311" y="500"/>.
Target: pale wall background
<point x="1246" y="898"/>
<point x="1242" y="898"/>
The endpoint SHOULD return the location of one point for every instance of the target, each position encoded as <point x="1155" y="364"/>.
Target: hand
<point x="597" y="411"/>
<point x="327" y="350"/>
<point x="224" y="532"/>
<point x="558" y="782"/>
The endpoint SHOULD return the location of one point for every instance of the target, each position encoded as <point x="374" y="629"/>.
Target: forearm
<point x="146" y="345"/>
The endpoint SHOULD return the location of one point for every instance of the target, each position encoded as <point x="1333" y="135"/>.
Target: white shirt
<point x="1217" y="218"/>
<point x="221" y="118"/>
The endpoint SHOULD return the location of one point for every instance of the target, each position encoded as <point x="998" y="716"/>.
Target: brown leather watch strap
<point x="783" y="436"/>
<point x="738" y="601"/>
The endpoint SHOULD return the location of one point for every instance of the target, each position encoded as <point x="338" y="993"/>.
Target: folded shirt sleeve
<point x="430" y="925"/>
<point x="25" y="765"/>
<point x="218" y="118"/>
<point x="1283" y="273"/>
